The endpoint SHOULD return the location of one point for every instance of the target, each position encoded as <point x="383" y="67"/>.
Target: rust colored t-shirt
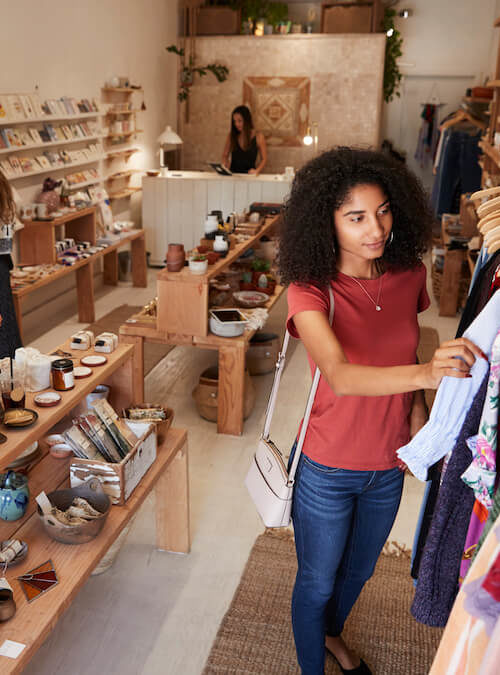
<point x="363" y="432"/>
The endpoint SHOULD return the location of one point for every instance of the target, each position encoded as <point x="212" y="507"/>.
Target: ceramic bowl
<point x="92" y="491"/>
<point x="198" y="266"/>
<point x="61" y="451"/>
<point x="227" y="322"/>
<point x="250" y="299"/>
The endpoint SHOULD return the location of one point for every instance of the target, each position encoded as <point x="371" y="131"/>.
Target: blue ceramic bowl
<point x="15" y="497"/>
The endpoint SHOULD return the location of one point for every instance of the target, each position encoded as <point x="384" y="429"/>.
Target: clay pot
<point x="262" y="353"/>
<point x="175" y="257"/>
<point x="206" y="392"/>
<point x="212" y="257"/>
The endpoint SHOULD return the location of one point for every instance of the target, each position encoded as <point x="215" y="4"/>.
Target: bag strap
<point x="280" y="364"/>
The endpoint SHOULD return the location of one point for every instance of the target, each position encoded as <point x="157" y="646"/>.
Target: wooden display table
<point x="182" y="320"/>
<point x="73" y="564"/>
<point x="37" y="247"/>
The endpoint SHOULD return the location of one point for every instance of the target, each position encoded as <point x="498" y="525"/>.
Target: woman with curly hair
<point x="357" y="222"/>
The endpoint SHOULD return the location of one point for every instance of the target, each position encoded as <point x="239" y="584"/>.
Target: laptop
<point x="216" y="166"/>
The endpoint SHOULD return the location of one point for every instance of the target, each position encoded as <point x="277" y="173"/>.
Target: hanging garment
<point x="481" y="261"/>
<point x="458" y="170"/>
<point x="479" y="293"/>
<point x="437" y="583"/>
<point x="454" y="396"/>
<point x="428" y="135"/>
<point x="471" y="641"/>
<point x="481" y="475"/>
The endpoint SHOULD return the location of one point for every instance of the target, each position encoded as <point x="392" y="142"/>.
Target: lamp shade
<point x="169" y="136"/>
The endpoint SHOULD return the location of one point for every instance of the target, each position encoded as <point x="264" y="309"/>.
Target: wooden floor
<point x="156" y="613"/>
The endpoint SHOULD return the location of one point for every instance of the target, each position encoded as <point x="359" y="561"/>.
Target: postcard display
<point x="44" y="137"/>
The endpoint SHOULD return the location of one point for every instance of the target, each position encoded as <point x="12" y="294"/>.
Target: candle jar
<point x="63" y="378"/>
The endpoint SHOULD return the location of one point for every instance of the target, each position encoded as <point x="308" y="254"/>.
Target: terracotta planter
<point x="175" y="257"/>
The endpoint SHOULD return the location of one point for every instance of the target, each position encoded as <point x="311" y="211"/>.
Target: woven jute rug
<point x="255" y="636"/>
<point x="153" y="353"/>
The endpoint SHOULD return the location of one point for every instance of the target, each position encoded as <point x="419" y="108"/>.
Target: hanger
<point x="433" y="97"/>
<point x="462" y="116"/>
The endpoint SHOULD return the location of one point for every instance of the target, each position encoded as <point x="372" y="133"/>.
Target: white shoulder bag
<point x="268" y="481"/>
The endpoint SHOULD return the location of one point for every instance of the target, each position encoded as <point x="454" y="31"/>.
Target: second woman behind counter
<point x="244" y="144"/>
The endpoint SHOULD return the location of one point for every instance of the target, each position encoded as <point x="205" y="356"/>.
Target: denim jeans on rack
<point x="458" y="170"/>
<point x="341" y="519"/>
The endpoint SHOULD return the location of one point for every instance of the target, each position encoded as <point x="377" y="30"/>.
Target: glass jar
<point x="63" y="377"/>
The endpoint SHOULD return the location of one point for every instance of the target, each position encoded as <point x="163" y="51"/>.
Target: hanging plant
<point x="189" y="70"/>
<point x="394" y="42"/>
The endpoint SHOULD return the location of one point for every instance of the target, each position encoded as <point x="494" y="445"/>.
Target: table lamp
<point x="168" y="137"/>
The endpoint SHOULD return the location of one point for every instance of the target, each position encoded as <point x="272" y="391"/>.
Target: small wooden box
<point x="119" y="480"/>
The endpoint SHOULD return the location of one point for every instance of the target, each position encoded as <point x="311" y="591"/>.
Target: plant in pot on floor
<point x="189" y="70"/>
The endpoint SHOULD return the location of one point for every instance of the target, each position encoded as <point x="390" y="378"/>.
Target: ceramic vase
<point x="14" y="496"/>
<point x="175" y="257"/>
<point x="220" y="245"/>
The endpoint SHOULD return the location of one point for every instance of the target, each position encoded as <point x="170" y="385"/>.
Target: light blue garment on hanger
<point x="453" y="399"/>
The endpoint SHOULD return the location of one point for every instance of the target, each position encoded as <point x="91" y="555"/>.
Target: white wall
<point x="448" y="46"/>
<point x="71" y="48"/>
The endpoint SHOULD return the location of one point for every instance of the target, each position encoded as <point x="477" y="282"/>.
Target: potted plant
<point x="189" y="70"/>
<point x="276" y="13"/>
<point x="260" y="267"/>
<point x="198" y="264"/>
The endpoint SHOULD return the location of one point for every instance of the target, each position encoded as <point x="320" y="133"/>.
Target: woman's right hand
<point x="454" y="358"/>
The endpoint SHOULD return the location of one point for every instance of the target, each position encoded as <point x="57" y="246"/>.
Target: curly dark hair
<point x="307" y="237"/>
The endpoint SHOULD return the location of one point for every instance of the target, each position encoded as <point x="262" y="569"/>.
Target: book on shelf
<point x="37" y="105"/>
<point x="27" y="106"/>
<point x="5" y="140"/>
<point x="15" y="164"/>
<point x="34" y="135"/>
<point x="59" y="133"/>
<point x="26" y="164"/>
<point x="7" y="168"/>
<point x="43" y="161"/>
<point x="50" y="131"/>
<point x="44" y="135"/>
<point x="25" y="137"/>
<point x="14" y="108"/>
<point x="3" y="107"/>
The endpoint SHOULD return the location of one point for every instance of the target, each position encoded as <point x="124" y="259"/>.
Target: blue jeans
<point x="341" y="519"/>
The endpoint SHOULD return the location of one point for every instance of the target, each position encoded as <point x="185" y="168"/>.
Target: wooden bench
<point x="37" y="247"/>
<point x="73" y="564"/>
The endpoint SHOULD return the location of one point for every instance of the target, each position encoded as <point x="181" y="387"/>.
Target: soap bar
<point x="106" y="342"/>
<point x="84" y="340"/>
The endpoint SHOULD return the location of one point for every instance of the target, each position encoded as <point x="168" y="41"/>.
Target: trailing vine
<point x="394" y="42"/>
<point x="190" y="70"/>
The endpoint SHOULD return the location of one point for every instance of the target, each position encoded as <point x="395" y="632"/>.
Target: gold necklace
<point x="377" y="306"/>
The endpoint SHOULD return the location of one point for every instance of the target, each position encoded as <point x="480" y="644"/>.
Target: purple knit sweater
<point x="437" y="584"/>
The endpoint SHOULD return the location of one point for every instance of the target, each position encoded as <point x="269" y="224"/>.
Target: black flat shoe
<point x="362" y="669"/>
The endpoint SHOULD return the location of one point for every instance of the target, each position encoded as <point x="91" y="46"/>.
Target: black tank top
<point x="244" y="160"/>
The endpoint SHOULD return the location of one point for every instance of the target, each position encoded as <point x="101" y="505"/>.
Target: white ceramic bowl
<point x="227" y="328"/>
<point x="198" y="266"/>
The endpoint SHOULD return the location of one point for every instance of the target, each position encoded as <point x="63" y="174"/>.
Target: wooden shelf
<point x="118" y="153"/>
<point x="125" y="134"/>
<point x="123" y="194"/>
<point x="122" y="174"/>
<point x="493" y="153"/>
<point x="50" y="144"/>
<point x="80" y="186"/>
<point x="476" y="99"/>
<point x="493" y="84"/>
<point x="58" y="274"/>
<point x="50" y="118"/>
<point x="122" y="90"/>
<point x="64" y="167"/>
<point x="115" y="113"/>
<point x="213" y="270"/>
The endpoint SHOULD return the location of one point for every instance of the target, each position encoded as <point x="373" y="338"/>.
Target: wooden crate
<point x="362" y="16"/>
<point x="119" y="480"/>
